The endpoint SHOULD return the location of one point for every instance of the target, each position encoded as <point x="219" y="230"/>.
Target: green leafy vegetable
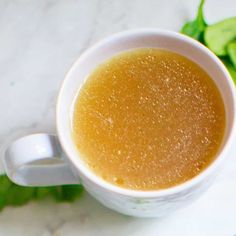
<point x="66" y="193"/>
<point x="231" y="69"/>
<point x="195" y="28"/>
<point x="14" y="195"/>
<point x="232" y="52"/>
<point x="219" y="35"/>
<point x="4" y="186"/>
<point x="17" y="195"/>
<point x="42" y="192"/>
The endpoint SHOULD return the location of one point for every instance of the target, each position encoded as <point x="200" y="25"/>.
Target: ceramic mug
<point x="43" y="159"/>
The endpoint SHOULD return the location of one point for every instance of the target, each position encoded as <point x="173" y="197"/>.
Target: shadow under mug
<point x="44" y="159"/>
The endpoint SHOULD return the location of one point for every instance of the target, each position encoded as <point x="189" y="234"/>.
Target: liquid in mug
<point x="148" y="119"/>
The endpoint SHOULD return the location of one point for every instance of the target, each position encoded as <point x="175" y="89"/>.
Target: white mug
<point x="43" y="159"/>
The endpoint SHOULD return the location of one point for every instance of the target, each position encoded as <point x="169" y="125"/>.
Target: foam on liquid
<point x="148" y="119"/>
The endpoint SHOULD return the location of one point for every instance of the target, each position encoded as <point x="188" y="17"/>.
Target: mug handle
<point x="37" y="160"/>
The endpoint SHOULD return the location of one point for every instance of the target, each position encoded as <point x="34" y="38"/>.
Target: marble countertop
<point x="39" y="40"/>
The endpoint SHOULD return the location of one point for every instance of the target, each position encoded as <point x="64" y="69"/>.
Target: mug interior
<point x="142" y="38"/>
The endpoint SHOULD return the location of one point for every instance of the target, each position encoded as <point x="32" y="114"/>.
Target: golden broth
<point x="148" y="119"/>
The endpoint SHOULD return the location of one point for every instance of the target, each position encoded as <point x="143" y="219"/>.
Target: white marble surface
<point x="39" y="40"/>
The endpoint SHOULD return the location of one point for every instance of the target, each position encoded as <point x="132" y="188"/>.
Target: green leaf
<point x="41" y="192"/>
<point x="231" y="69"/>
<point x="2" y="202"/>
<point x="220" y="38"/>
<point x="17" y="195"/>
<point x="66" y="192"/>
<point x="71" y="192"/>
<point x="231" y="48"/>
<point x="195" y="28"/>
<point x="56" y="193"/>
<point x="14" y="195"/>
<point x="219" y="35"/>
<point x="5" y="184"/>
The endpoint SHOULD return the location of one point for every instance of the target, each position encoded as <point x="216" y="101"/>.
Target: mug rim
<point x="174" y="189"/>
